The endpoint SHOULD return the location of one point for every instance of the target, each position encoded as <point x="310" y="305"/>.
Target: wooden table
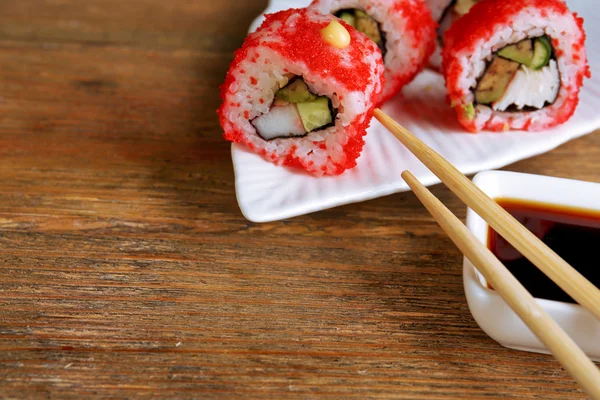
<point x="129" y="271"/>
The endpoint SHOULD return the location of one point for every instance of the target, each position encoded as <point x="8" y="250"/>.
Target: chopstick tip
<point x="410" y="179"/>
<point x="377" y="113"/>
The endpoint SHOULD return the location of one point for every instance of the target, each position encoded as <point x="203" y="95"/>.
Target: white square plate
<point x="266" y="192"/>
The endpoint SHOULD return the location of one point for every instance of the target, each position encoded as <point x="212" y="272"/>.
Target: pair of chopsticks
<point x="566" y="351"/>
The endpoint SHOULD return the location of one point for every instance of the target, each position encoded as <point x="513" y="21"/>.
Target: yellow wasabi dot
<point x="336" y="35"/>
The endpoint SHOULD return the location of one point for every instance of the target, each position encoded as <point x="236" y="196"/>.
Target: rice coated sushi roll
<point x="445" y="12"/>
<point x="403" y="30"/>
<point x="301" y="90"/>
<point x="515" y="64"/>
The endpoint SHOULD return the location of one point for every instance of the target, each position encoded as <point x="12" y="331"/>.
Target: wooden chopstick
<point x="550" y="263"/>
<point x="566" y="351"/>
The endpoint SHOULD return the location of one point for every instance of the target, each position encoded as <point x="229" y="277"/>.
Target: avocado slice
<point x="521" y="52"/>
<point x="348" y="18"/>
<point x="464" y="6"/>
<point x="368" y="26"/>
<point x="495" y="80"/>
<point x="542" y="52"/>
<point x="295" y="92"/>
<point x="315" y="113"/>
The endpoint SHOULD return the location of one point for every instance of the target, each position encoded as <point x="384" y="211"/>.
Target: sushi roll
<point x="515" y="65"/>
<point x="301" y="90"/>
<point x="403" y="30"/>
<point x="445" y="12"/>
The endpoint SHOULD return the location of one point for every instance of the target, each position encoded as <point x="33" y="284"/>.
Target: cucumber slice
<point x="521" y="52"/>
<point x="469" y="111"/>
<point x="541" y="53"/>
<point x="348" y="18"/>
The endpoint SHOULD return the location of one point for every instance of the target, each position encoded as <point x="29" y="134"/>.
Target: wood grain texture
<point x="522" y="239"/>
<point x="556" y="340"/>
<point x="128" y="271"/>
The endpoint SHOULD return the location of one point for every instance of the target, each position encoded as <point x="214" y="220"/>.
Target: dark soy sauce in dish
<point x="574" y="234"/>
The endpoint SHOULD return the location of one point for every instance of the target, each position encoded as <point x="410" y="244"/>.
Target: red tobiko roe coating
<point x="419" y="23"/>
<point x="352" y="149"/>
<point x="480" y="23"/>
<point x="310" y="48"/>
<point x="484" y="16"/>
<point x="417" y="16"/>
<point x="469" y="29"/>
<point x="304" y="44"/>
<point x="419" y="26"/>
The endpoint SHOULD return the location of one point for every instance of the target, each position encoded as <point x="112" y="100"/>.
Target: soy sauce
<point x="574" y="234"/>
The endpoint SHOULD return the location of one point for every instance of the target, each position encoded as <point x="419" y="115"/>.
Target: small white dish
<point x="490" y="311"/>
<point x="266" y="192"/>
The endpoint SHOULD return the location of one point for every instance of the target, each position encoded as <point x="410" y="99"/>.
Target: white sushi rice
<point x="438" y="8"/>
<point x="529" y="23"/>
<point x="404" y="53"/>
<point x="271" y="76"/>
